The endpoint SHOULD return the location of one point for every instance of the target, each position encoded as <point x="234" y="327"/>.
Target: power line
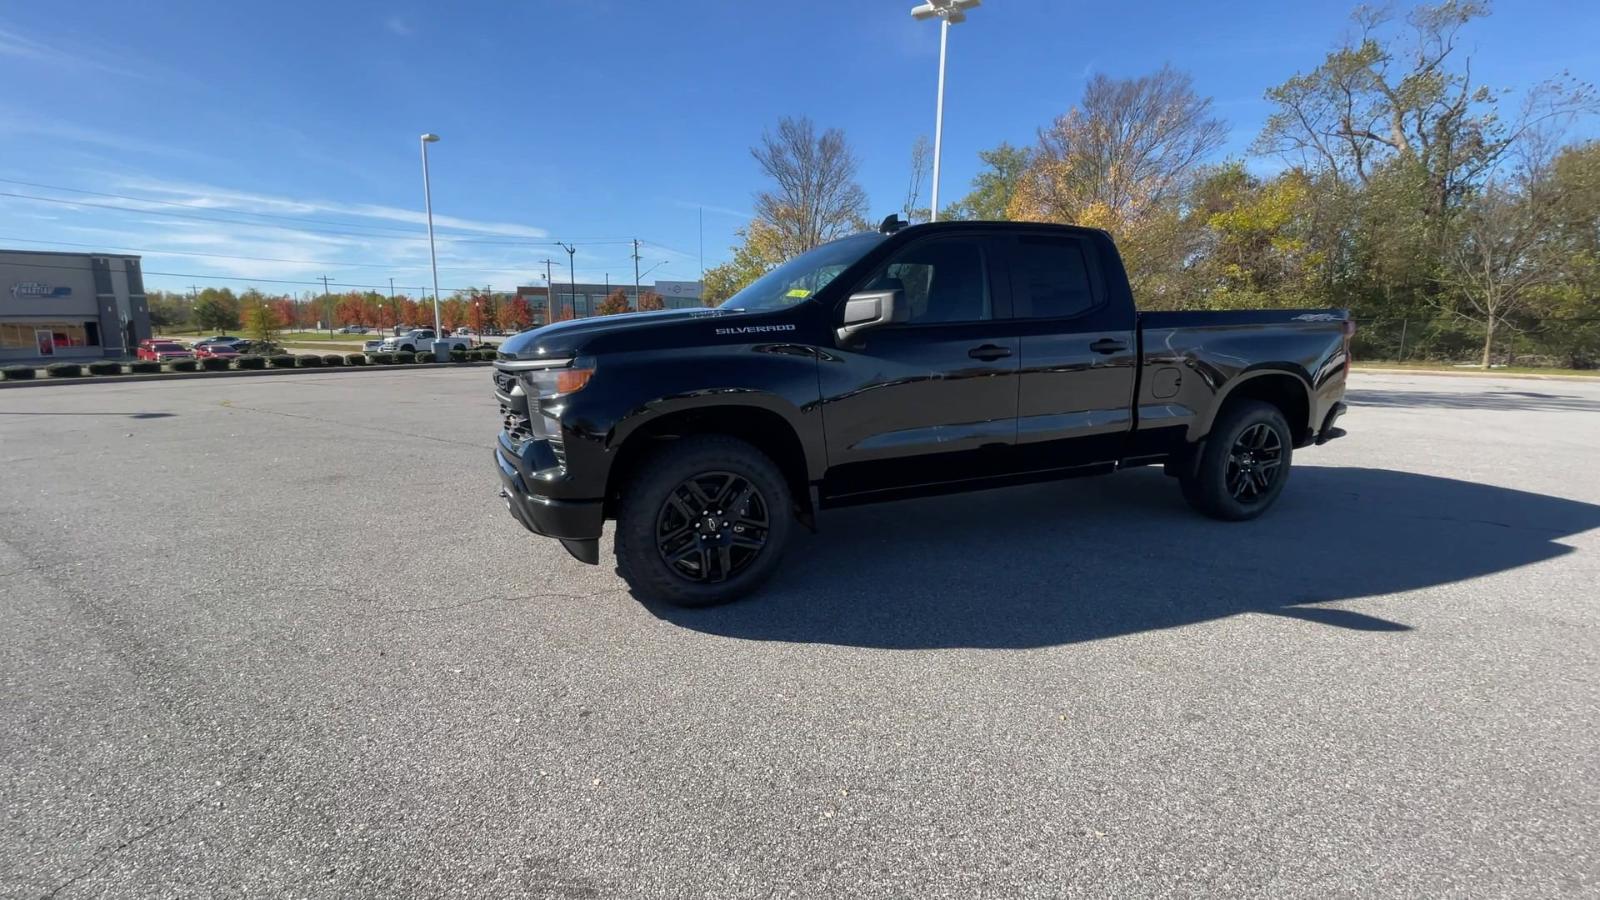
<point x="195" y="253"/>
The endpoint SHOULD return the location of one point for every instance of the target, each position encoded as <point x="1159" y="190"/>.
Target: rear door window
<point x="1050" y="278"/>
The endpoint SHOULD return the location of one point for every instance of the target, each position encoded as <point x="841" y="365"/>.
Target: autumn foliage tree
<point x="651" y="300"/>
<point x="614" y="303"/>
<point x="517" y="314"/>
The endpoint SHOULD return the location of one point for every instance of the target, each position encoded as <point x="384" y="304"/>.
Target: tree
<point x="517" y="314"/>
<point x="651" y="300"/>
<point x="1498" y="263"/>
<point x="167" y="310"/>
<point x="1124" y="159"/>
<point x="920" y="158"/>
<point x="760" y="251"/>
<point x="1390" y="95"/>
<point x="994" y="187"/>
<point x="351" y="309"/>
<point x="1131" y="145"/>
<point x="815" y="197"/>
<point x="614" y="303"/>
<point x="453" y="312"/>
<point x="216" y="310"/>
<point x="261" y="320"/>
<point x="563" y="314"/>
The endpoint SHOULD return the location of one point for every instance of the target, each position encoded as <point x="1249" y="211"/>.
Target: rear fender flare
<point x="1201" y="426"/>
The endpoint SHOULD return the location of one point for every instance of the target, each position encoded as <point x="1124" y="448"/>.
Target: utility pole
<point x="327" y="301"/>
<point x="702" y="247"/>
<point x="549" y="292"/>
<point x="636" y="294"/>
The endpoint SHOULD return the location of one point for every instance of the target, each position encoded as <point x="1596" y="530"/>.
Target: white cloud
<point x="212" y="197"/>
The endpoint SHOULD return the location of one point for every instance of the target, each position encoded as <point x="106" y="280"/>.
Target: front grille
<point x="515" y="419"/>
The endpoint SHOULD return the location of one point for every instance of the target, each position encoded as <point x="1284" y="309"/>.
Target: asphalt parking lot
<point x="278" y="637"/>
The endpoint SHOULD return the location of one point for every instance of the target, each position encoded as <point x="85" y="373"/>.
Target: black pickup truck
<point x="916" y="360"/>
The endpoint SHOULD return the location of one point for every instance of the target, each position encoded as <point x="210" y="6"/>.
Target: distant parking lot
<point x="277" y="636"/>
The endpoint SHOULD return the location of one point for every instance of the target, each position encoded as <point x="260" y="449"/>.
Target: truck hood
<point x="562" y="339"/>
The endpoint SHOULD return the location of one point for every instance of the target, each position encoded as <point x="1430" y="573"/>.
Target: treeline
<point x="220" y="309"/>
<point x="1456" y="223"/>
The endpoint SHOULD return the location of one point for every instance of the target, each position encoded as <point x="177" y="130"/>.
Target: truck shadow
<point x="1096" y="558"/>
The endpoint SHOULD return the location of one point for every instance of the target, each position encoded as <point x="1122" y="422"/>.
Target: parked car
<point x="220" y="350"/>
<point x="422" y="341"/>
<point x="162" y="350"/>
<point x="220" y="340"/>
<point x="922" y="359"/>
<point x="353" y="329"/>
<point x="372" y="346"/>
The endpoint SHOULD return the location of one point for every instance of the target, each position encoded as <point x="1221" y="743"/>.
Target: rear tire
<point x="1244" y="463"/>
<point x="671" y="550"/>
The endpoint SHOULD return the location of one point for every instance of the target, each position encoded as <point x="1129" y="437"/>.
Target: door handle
<point x="989" y="352"/>
<point x="1108" y="345"/>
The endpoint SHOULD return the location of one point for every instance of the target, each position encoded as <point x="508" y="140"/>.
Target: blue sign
<point x="39" y="289"/>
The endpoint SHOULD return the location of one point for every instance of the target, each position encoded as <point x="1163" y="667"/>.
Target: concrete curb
<point x="1474" y="373"/>
<point x="234" y="373"/>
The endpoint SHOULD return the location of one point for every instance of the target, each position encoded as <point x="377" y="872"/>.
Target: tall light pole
<point x="433" y="256"/>
<point x="949" y="12"/>
<point x="572" y="275"/>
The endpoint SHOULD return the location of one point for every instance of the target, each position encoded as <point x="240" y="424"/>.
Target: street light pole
<point x="433" y="256"/>
<point x="572" y="274"/>
<point x="949" y="12"/>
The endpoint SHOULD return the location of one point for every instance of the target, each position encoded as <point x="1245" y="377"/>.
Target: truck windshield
<point x="796" y="280"/>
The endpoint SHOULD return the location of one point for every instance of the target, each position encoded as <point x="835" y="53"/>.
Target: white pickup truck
<point x="422" y="340"/>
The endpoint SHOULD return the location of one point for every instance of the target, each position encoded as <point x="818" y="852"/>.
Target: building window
<point x="21" y="335"/>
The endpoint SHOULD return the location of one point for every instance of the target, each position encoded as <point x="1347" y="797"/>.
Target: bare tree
<point x="1130" y="146"/>
<point x="816" y="198"/>
<point x="1498" y="261"/>
<point x="920" y="160"/>
<point x="1409" y="92"/>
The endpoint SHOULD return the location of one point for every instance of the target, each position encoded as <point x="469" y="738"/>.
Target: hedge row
<point x="248" y="363"/>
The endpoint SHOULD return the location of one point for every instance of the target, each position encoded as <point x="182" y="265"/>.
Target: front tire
<point x="703" y="522"/>
<point x="1244" y="463"/>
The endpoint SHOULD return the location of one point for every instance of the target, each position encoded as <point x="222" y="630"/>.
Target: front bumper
<point x="577" y="524"/>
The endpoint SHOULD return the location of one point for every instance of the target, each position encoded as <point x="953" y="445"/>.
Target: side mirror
<point x="870" y="309"/>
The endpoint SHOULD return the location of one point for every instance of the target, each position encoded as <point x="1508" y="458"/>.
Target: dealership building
<point x="70" y="306"/>
<point x="584" y="298"/>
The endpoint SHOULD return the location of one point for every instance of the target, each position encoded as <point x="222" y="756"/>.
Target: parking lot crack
<point x="184" y="813"/>
<point x="482" y="600"/>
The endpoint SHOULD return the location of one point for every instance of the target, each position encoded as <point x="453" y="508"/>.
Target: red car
<point x="217" y="351"/>
<point x="161" y="351"/>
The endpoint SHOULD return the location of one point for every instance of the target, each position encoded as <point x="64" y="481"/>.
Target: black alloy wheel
<point x="712" y="527"/>
<point x="1253" y="463"/>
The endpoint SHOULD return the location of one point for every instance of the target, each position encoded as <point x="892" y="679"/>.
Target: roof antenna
<point x="891" y="224"/>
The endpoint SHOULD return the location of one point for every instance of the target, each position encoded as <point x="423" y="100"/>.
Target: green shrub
<point x="487" y="355"/>
<point x="355" y="359"/>
<point x="309" y="360"/>
<point x="383" y="358"/>
<point x="332" y="359"/>
<point x="281" y="361"/>
<point x="18" y="373"/>
<point x="105" y="367"/>
<point x="144" y="367"/>
<point x="252" y="362"/>
<point x="459" y="356"/>
<point x="64" y="370"/>
<point x="185" y="365"/>
<point x="404" y="356"/>
<point x="213" y="364"/>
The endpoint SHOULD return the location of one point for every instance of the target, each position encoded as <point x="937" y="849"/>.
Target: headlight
<point x="547" y="383"/>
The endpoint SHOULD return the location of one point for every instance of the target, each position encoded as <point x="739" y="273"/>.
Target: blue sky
<point x="588" y="122"/>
